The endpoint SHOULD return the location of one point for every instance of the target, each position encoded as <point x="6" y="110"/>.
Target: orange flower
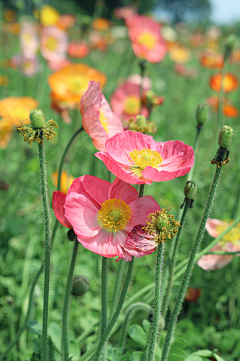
<point x="66" y="21"/>
<point x="229" y="83"/>
<point x="192" y="294"/>
<point x="101" y="24"/>
<point x="6" y="129"/>
<point x="4" y="80"/>
<point x="71" y="82"/>
<point x="212" y="60"/>
<point x="17" y="109"/>
<point x="230" y="111"/>
<point x="66" y="180"/>
<point x="179" y="54"/>
<point x="9" y="15"/>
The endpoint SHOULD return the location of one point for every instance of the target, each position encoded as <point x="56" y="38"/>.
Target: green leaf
<point x="54" y="332"/>
<point x="146" y="326"/>
<point x="205" y="353"/>
<point x="137" y="334"/>
<point x="193" y="357"/>
<point x="136" y="356"/>
<point x="217" y="357"/>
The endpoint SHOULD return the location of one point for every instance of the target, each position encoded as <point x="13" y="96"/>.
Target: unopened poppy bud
<point x="80" y="285"/>
<point x="202" y="113"/>
<point x="37" y="118"/>
<point x="141" y="121"/>
<point x="225" y="136"/>
<point x="190" y="190"/>
<point x="71" y="235"/>
<point x="230" y="44"/>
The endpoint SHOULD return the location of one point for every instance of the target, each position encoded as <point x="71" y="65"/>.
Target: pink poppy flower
<point x="54" y="44"/>
<point x="98" y="120"/>
<point x="58" y="64"/>
<point x="124" y="12"/>
<point x="27" y="66"/>
<point x="126" y="102"/>
<point x="78" y="49"/>
<point x="103" y="214"/>
<point x="29" y="40"/>
<point x="137" y="159"/>
<point x="146" y="39"/>
<point x="229" y="243"/>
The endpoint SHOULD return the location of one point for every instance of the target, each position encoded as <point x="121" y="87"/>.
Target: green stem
<point x="157" y="303"/>
<point x="117" y="312"/>
<point x="118" y="284"/>
<point x="141" y="190"/>
<point x="174" y="259"/>
<point x="47" y="252"/>
<point x="191" y="263"/>
<point x="138" y="306"/>
<point x="21" y="330"/>
<point x="66" y="303"/>
<point x="103" y="323"/>
<point x="195" y="148"/>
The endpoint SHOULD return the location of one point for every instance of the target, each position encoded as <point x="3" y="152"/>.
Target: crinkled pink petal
<point x="122" y="190"/>
<point x="212" y="224"/>
<point x="141" y="208"/>
<point x="140" y="243"/>
<point x="58" y="202"/>
<point x="93" y="188"/>
<point x="211" y="262"/>
<point x="82" y="214"/>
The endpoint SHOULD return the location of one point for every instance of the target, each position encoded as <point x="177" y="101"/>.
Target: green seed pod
<point x="190" y="190"/>
<point x="225" y="136"/>
<point x="80" y="285"/>
<point x="71" y="235"/>
<point x="231" y="43"/>
<point x="202" y="113"/>
<point x="162" y="221"/>
<point x="37" y="118"/>
<point x="141" y="121"/>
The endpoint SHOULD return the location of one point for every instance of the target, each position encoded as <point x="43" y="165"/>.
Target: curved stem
<point x="47" y="252"/>
<point x="174" y="259"/>
<point x="196" y="245"/>
<point x="117" y="312"/>
<point x="66" y="303"/>
<point x="138" y="306"/>
<point x="157" y="304"/>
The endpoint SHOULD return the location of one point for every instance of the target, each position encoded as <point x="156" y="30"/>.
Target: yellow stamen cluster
<point x="132" y="105"/>
<point x="149" y="128"/>
<point x="162" y="225"/>
<point x="147" y="39"/>
<point x="32" y="135"/>
<point x="232" y="236"/>
<point x="144" y="158"/>
<point x="114" y="215"/>
<point x="103" y="121"/>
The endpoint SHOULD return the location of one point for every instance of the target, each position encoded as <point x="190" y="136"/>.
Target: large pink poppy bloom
<point x="137" y="159"/>
<point x="229" y="243"/>
<point x="146" y="39"/>
<point x="54" y="44"/>
<point x="98" y="120"/>
<point x="126" y="102"/>
<point x="103" y="214"/>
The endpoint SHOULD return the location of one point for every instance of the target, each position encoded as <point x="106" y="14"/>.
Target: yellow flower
<point x="49" y="15"/>
<point x="6" y="129"/>
<point x="179" y="54"/>
<point x="66" y="180"/>
<point x="17" y="109"/>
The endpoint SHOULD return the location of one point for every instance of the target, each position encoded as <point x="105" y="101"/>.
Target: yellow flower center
<point x="114" y="215"/>
<point x="147" y="39"/>
<point x="51" y="43"/>
<point x="103" y="121"/>
<point x="144" y="158"/>
<point x="27" y="37"/>
<point x="132" y="105"/>
<point x="78" y="84"/>
<point x="232" y="236"/>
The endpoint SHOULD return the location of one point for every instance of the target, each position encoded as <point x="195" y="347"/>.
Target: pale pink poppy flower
<point x="124" y="12"/>
<point x="98" y="120"/>
<point x="229" y="243"/>
<point x="57" y="64"/>
<point x="103" y="214"/>
<point x="29" y="40"/>
<point x="137" y="159"/>
<point x="54" y="43"/>
<point x="146" y="82"/>
<point x="27" y="66"/>
<point x="125" y="101"/>
<point x="139" y="242"/>
<point x="146" y="39"/>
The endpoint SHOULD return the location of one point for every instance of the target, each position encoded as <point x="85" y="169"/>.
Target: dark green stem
<point x="47" y="251"/>
<point x="66" y="303"/>
<point x="174" y="259"/>
<point x="103" y="323"/>
<point x="157" y="303"/>
<point x="138" y="306"/>
<point x="141" y="190"/>
<point x="118" y="284"/>
<point x="187" y="275"/>
<point x="117" y="312"/>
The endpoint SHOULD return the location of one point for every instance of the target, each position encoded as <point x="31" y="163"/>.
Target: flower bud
<point x="80" y="285"/>
<point x="225" y="136"/>
<point x="202" y="113"/>
<point x="37" y="118"/>
<point x="230" y="44"/>
<point x="162" y="221"/>
<point x="141" y="121"/>
<point x="190" y="190"/>
<point x="71" y="235"/>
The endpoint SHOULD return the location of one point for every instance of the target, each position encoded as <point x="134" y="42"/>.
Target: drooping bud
<point x="225" y="136"/>
<point x="202" y="113"/>
<point x="231" y="43"/>
<point x="37" y="118"/>
<point x="190" y="190"/>
<point x="71" y="235"/>
<point x="80" y="285"/>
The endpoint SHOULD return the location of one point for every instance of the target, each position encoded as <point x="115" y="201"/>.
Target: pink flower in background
<point x="229" y="243"/>
<point x="137" y="159"/>
<point x="29" y="40"/>
<point x="146" y="39"/>
<point x="27" y="66"/>
<point x="98" y="120"/>
<point x="58" y="64"/>
<point x="54" y="43"/>
<point x="103" y="214"/>
<point x="126" y="102"/>
<point x="125" y="12"/>
<point x="78" y="49"/>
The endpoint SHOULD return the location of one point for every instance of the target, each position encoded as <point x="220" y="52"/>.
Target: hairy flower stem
<point x="195" y="148"/>
<point x="103" y="323"/>
<point x="47" y="252"/>
<point x="118" y="283"/>
<point x="174" y="259"/>
<point x="157" y="303"/>
<point x="66" y="303"/>
<point x="187" y="275"/>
